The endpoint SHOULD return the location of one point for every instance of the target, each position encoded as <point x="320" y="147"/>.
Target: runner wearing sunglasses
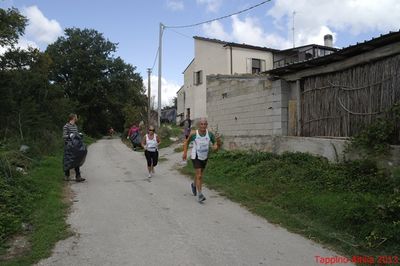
<point x="150" y="144"/>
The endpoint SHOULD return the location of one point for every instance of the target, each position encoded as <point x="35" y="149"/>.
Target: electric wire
<point x="204" y="22"/>
<point x="215" y="19"/>
<point x="184" y="35"/>
<point x="155" y="59"/>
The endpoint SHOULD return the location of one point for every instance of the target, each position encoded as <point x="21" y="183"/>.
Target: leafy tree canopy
<point x="12" y="25"/>
<point x="83" y="65"/>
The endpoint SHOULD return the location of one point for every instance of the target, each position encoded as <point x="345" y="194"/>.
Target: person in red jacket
<point x="134" y="136"/>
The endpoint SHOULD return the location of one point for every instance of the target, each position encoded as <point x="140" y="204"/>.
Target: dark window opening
<point x="255" y="66"/>
<point x="198" y="77"/>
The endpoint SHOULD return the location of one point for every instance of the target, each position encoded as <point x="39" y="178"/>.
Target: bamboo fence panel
<point x="341" y="104"/>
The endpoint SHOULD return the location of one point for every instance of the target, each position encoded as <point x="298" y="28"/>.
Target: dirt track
<point x="120" y="218"/>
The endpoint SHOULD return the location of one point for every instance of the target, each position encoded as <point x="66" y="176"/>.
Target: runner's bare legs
<point x="198" y="179"/>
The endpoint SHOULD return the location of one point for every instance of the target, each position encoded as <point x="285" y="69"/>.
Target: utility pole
<point x="148" y="96"/>
<point x="159" y="73"/>
<point x="294" y="13"/>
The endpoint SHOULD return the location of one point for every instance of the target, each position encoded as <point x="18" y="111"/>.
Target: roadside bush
<point x="164" y="132"/>
<point x="45" y="142"/>
<point x="15" y="191"/>
<point x="375" y="139"/>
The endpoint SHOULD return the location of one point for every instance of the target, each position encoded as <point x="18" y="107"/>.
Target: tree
<point x="82" y="64"/>
<point x="30" y="106"/>
<point x="175" y="102"/>
<point x="12" y="25"/>
<point x="29" y="102"/>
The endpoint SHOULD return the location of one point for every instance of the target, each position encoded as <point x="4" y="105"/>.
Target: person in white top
<point x="150" y="145"/>
<point x="201" y="138"/>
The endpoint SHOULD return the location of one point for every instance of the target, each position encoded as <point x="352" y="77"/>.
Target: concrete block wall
<point x="246" y="105"/>
<point x="330" y="148"/>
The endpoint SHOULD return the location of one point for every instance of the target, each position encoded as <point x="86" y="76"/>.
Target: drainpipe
<point x="231" y="60"/>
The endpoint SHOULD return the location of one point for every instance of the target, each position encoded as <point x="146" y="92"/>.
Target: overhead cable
<point x="215" y="19"/>
<point x="155" y="59"/>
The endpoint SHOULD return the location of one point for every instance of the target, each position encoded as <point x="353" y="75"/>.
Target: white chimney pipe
<point x="328" y="40"/>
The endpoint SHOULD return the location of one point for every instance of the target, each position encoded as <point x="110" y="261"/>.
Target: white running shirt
<point x="151" y="144"/>
<point x="201" y="146"/>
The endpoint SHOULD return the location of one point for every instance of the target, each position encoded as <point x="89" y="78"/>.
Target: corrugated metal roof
<point x="352" y="50"/>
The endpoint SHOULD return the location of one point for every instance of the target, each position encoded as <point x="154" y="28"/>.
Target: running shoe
<point x="149" y="175"/>
<point x="201" y="198"/>
<point x="79" y="179"/>
<point x="193" y="189"/>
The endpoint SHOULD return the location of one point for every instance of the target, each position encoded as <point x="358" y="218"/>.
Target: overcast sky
<point x="134" y="25"/>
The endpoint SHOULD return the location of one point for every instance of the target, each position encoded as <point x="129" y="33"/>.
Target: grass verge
<point x="352" y="207"/>
<point x="33" y="206"/>
<point x="48" y="211"/>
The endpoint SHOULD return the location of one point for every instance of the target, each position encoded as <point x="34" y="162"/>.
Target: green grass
<point x="168" y="131"/>
<point x="48" y="211"/>
<point x="166" y="142"/>
<point x="352" y="207"/>
<point x="35" y="199"/>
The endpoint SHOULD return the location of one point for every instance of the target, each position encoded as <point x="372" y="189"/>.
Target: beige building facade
<point x="217" y="57"/>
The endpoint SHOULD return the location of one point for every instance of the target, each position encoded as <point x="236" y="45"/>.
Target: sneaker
<point x="201" y="198"/>
<point x="149" y="175"/>
<point x="193" y="189"/>
<point x="79" y="179"/>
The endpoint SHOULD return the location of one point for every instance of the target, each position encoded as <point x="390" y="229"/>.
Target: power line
<point x="159" y="51"/>
<point x="215" y="19"/>
<point x="204" y="22"/>
<point x="155" y="59"/>
<point x="184" y="35"/>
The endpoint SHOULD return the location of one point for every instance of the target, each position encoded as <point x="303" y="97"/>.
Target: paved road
<point x="120" y="218"/>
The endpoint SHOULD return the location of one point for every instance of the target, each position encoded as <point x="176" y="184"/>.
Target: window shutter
<point x="194" y="78"/>
<point x="249" y="64"/>
<point x="201" y="77"/>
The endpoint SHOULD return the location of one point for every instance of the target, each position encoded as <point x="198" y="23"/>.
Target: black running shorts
<point x="197" y="163"/>
<point x="151" y="157"/>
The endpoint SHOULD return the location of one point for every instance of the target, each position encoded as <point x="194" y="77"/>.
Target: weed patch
<point x="35" y="199"/>
<point x="353" y="206"/>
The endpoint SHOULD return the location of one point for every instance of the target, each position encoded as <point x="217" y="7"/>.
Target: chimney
<point x="328" y="40"/>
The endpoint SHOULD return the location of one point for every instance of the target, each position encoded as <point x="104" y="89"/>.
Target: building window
<point x="198" y="77"/>
<point x="255" y="66"/>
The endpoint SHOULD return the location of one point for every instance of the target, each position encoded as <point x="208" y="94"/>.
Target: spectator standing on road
<point x="201" y="138"/>
<point x="69" y="129"/>
<point x="150" y="144"/>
